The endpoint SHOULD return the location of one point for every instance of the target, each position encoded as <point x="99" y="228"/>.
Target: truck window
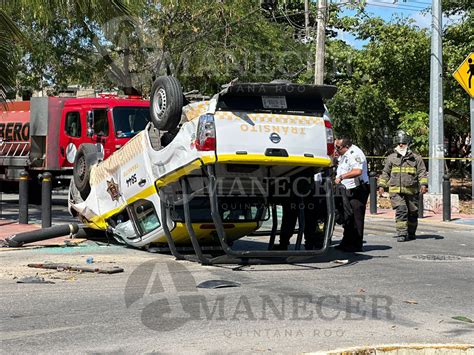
<point x="231" y="210"/>
<point x="101" y="123"/>
<point x="128" y="121"/>
<point x="146" y="217"/>
<point x="122" y="225"/>
<point x="73" y="124"/>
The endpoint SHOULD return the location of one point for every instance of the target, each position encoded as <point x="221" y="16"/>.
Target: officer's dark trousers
<point x="291" y="211"/>
<point x="354" y="228"/>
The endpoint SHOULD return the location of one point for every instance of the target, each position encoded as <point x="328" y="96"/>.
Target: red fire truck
<point x="45" y="133"/>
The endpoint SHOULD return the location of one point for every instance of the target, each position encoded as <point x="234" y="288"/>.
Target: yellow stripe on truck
<point x="177" y="174"/>
<point x="266" y="160"/>
<point x="99" y="221"/>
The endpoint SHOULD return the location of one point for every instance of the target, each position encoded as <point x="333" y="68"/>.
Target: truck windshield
<point x="128" y="121"/>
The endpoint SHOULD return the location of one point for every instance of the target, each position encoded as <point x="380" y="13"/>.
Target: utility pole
<point x="320" y="43"/>
<point x="306" y="30"/>
<point x="436" y="152"/>
<point x="306" y="18"/>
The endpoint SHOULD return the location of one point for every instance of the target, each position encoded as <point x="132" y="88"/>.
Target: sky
<point x="418" y="10"/>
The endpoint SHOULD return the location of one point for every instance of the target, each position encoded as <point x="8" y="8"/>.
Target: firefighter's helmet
<point x="401" y="137"/>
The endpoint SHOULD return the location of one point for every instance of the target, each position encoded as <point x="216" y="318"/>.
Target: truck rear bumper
<point x="261" y="159"/>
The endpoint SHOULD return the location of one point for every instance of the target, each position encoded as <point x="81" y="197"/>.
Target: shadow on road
<point x="429" y="236"/>
<point x="376" y="247"/>
<point x="333" y="258"/>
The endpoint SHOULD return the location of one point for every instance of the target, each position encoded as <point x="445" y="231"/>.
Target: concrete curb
<point x="404" y="349"/>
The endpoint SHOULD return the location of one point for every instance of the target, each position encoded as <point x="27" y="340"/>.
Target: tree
<point x="380" y="83"/>
<point x="457" y="44"/>
<point x="43" y="12"/>
<point x="9" y="34"/>
<point x="204" y="44"/>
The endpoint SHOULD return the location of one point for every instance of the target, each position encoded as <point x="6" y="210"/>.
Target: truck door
<point x="70" y="137"/>
<point x="102" y="130"/>
<point x="139" y="223"/>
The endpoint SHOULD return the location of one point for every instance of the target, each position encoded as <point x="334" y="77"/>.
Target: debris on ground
<point x="74" y="242"/>
<point x="69" y="267"/>
<point x="463" y="319"/>
<point x="33" y="280"/>
<point x="212" y="284"/>
<point x="410" y="302"/>
<point x="341" y="262"/>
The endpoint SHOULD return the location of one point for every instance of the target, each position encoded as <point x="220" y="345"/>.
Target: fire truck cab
<point x="45" y="133"/>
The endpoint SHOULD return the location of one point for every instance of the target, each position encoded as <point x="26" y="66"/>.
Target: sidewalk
<point x="12" y="227"/>
<point x="457" y="220"/>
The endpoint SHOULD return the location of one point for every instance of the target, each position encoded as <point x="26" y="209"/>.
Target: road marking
<point x="15" y="334"/>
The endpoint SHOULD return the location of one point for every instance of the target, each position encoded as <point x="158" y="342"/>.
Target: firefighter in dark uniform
<point x="405" y="176"/>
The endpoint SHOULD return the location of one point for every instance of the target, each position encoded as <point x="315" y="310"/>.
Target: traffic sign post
<point x="472" y="149"/>
<point x="465" y="77"/>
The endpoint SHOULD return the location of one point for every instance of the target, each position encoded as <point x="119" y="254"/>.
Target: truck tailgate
<point x="241" y="133"/>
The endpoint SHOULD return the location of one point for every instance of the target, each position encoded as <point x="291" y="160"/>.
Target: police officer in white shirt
<point x="352" y="173"/>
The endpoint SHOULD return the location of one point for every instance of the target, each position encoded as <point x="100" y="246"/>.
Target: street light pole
<point x="436" y="139"/>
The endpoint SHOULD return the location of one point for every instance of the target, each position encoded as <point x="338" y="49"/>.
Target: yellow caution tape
<point x="426" y="158"/>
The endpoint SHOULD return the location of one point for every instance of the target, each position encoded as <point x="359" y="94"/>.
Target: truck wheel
<point x="166" y="103"/>
<point x="86" y="156"/>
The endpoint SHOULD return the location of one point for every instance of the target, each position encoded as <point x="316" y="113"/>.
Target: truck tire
<point x="86" y="156"/>
<point x="166" y="103"/>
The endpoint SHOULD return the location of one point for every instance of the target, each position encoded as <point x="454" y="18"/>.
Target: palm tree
<point x="11" y="37"/>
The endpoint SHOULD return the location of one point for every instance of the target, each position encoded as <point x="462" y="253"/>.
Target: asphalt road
<point x="391" y="293"/>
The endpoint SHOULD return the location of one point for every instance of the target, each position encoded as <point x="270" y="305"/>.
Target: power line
<point x="295" y="25"/>
<point x="397" y="5"/>
<point x="324" y="8"/>
<point x="416" y="2"/>
<point x="395" y="8"/>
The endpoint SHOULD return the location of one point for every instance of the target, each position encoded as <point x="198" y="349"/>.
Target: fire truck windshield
<point x="128" y="121"/>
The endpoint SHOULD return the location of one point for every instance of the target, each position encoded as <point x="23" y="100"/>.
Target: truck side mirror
<point x="90" y="123"/>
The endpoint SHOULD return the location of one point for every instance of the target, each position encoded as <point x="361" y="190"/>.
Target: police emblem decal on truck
<point x="112" y="189"/>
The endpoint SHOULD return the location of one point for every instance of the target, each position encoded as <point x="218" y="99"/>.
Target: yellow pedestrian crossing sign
<point x="465" y="74"/>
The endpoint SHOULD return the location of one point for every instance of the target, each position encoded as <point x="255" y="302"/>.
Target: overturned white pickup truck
<point x="199" y="174"/>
